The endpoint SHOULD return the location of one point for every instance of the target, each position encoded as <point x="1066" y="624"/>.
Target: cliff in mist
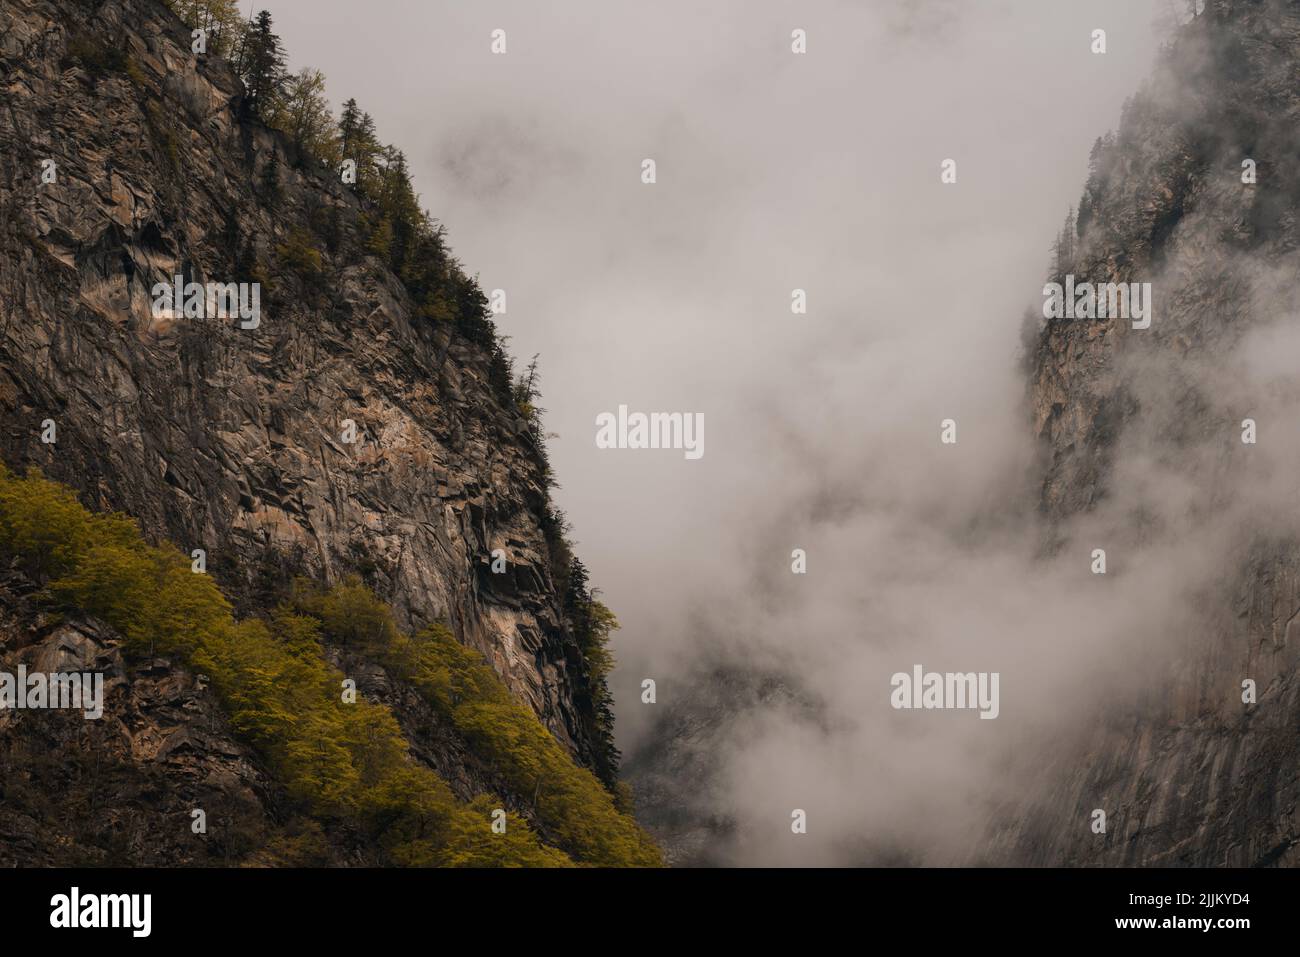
<point x="1146" y="426"/>
<point x="1162" y="692"/>
<point x="356" y="435"/>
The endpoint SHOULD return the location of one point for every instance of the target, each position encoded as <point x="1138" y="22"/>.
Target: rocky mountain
<point x="119" y="791"/>
<point x="1197" y="193"/>
<point x="1173" y="443"/>
<point x="345" y="432"/>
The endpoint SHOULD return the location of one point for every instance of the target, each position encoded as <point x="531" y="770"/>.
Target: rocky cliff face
<point x="1140" y="432"/>
<point x="120" y="789"/>
<point x="1191" y="775"/>
<point x="228" y="439"/>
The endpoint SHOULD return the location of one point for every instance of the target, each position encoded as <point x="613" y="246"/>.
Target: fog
<point x="818" y="172"/>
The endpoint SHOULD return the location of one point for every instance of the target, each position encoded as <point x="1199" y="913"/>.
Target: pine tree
<point x="592" y="622"/>
<point x="271" y="179"/>
<point x="261" y="65"/>
<point x="1064" y="248"/>
<point x="359" y="142"/>
<point x="349" y="125"/>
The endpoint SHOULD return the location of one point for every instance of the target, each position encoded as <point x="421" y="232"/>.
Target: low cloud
<point x="821" y="172"/>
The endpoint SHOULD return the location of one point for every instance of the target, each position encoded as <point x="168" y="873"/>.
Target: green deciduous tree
<point x="220" y="19"/>
<point x="337" y="761"/>
<point x="302" y="111"/>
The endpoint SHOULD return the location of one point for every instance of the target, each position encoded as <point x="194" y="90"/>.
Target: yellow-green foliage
<point x="299" y="255"/>
<point x="380" y="241"/>
<point x="342" y="762"/>
<point x="569" y="800"/>
<point x="220" y="18"/>
<point x="46" y="528"/>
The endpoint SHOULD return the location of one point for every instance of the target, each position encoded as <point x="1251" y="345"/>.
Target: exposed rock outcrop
<point x="1192" y="775"/>
<point x="121" y="788"/>
<point x="1140" y="431"/>
<point x="231" y="439"/>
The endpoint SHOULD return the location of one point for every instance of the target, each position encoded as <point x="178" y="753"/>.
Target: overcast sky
<point x="775" y="172"/>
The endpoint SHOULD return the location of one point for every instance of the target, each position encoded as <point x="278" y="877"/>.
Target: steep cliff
<point x="126" y="160"/>
<point x="1197" y="194"/>
<point x="227" y="439"/>
<point x="120" y="790"/>
<point x="1173" y="447"/>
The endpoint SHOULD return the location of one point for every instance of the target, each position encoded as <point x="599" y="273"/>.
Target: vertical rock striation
<point x="230" y="439"/>
<point x="1190" y="775"/>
